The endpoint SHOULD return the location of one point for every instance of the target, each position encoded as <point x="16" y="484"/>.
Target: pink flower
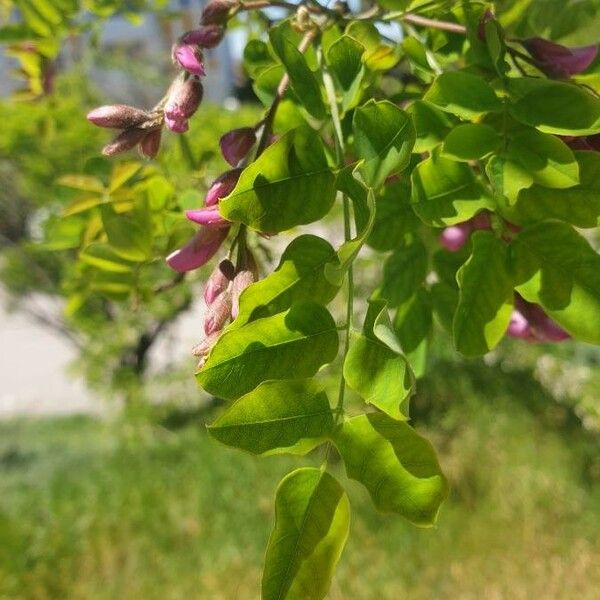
<point x="222" y="186"/>
<point x="219" y="280"/>
<point x="177" y="125"/>
<point x="126" y="140"/>
<point x="559" y="61"/>
<point x="216" y="12"/>
<point x="207" y="36"/>
<point x="209" y="217"/>
<point x="236" y="144"/>
<point x="189" y="57"/>
<point x="150" y="144"/>
<point x="198" y="251"/>
<point x="117" y="116"/>
<point x="184" y="99"/>
<point x="240" y="282"/>
<point x="218" y="313"/>
<point x="455" y="237"/>
<point x="530" y="322"/>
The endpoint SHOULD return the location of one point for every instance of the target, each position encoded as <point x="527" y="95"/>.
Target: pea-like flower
<point x="559" y="61"/>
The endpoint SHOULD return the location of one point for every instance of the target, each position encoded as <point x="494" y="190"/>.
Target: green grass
<point x="117" y="511"/>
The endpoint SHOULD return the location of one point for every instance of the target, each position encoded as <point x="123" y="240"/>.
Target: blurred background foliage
<point x="142" y="504"/>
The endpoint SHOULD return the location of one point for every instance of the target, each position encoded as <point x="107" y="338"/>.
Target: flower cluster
<point x="530" y="323"/>
<point x="222" y="297"/>
<point x="143" y="128"/>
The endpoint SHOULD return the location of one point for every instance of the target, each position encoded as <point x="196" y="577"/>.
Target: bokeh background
<point x="109" y="485"/>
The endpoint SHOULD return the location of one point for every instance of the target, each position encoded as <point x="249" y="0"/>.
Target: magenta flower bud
<point x="559" y="61"/>
<point x="126" y="140"/>
<point x="236" y="144"/>
<point x="202" y="349"/>
<point x="189" y="58"/>
<point x="216" y="12"/>
<point x="219" y="280"/>
<point x="177" y="125"/>
<point x="207" y="36"/>
<point x="519" y="325"/>
<point x="481" y="221"/>
<point x="222" y="186"/>
<point x="150" y="144"/>
<point x="240" y="282"/>
<point x="455" y="237"/>
<point x="488" y="16"/>
<point x="209" y="217"/>
<point x="198" y="251"/>
<point x="184" y="100"/>
<point x="218" y="313"/>
<point x="117" y="116"/>
<point x="544" y="329"/>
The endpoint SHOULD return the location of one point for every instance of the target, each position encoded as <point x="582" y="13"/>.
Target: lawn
<point x="133" y="510"/>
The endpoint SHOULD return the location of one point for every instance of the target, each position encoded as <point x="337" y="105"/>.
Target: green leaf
<point x="122" y="173"/>
<point x="470" y="142"/>
<point x="85" y="183"/>
<point x="403" y="272"/>
<point x="383" y="138"/>
<point x="302" y="79"/>
<point x="507" y="178"/>
<point x="257" y="57"/>
<point x="130" y="235"/>
<point x="380" y="374"/>
<point x="103" y="257"/>
<point x="446" y="192"/>
<point x="555" y="267"/>
<point x="290" y="184"/>
<point x="555" y="107"/>
<point x="345" y="59"/>
<point x="486" y="294"/>
<point x="548" y="160"/>
<point x="431" y="125"/>
<point x="298" y="277"/>
<point x="463" y="94"/>
<point x="364" y="210"/>
<point x="82" y="204"/>
<point x="444" y="298"/>
<point x="578" y="205"/>
<point x="394" y="216"/>
<point x="412" y="322"/>
<point x="278" y="416"/>
<point x="288" y="345"/>
<point x="396" y="465"/>
<point x="312" y="521"/>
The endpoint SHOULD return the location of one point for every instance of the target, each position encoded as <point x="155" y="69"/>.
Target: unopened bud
<point x="184" y="99"/>
<point x="519" y="325"/>
<point x="205" y="346"/>
<point x="150" y="144"/>
<point x="177" y="125"/>
<point x="216" y="12"/>
<point x="117" y="116"/>
<point x="218" y="313"/>
<point x="488" y="16"/>
<point x="209" y="217"/>
<point x="455" y="237"/>
<point x="481" y="221"/>
<point x="559" y="61"/>
<point x="207" y="36"/>
<point x="126" y="140"/>
<point x="236" y="144"/>
<point x="222" y="186"/>
<point x="188" y="57"/>
<point x="198" y="251"/>
<point x="219" y="280"/>
<point x="240" y="282"/>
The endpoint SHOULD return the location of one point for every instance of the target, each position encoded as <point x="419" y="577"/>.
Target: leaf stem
<point x="340" y="152"/>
